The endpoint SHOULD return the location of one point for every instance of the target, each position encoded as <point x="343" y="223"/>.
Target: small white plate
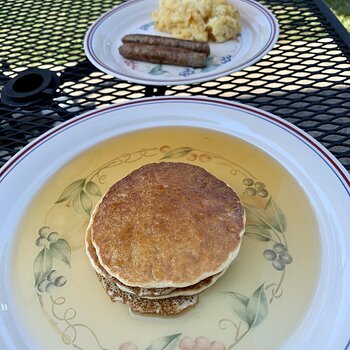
<point x="296" y="193"/>
<point x="259" y="34"/>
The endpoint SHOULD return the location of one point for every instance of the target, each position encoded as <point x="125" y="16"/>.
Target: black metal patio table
<point x="305" y="79"/>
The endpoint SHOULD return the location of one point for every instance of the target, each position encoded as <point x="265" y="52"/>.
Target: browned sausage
<point x="165" y="41"/>
<point x="163" y="54"/>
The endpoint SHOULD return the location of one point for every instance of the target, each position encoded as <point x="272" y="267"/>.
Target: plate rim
<point x="89" y="52"/>
<point x="324" y="153"/>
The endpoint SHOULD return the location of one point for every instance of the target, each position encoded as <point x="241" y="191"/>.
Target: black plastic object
<point x="305" y="79"/>
<point x="30" y="87"/>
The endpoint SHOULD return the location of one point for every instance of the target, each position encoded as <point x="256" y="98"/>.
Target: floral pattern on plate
<point x="266" y="224"/>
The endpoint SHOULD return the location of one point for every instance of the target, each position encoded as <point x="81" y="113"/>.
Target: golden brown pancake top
<point x="167" y="225"/>
<point x="157" y="293"/>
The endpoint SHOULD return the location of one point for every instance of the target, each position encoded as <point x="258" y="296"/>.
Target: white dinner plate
<point x="258" y="36"/>
<point x="289" y="287"/>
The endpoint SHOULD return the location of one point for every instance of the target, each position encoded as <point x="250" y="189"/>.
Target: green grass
<point x="342" y="10"/>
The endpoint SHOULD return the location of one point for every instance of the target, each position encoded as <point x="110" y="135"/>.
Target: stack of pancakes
<point x="162" y="235"/>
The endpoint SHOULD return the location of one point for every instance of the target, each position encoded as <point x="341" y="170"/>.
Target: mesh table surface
<point x="305" y="79"/>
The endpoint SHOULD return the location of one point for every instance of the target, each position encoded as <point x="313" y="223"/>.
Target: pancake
<point x="162" y="293"/>
<point x="167" y="225"/>
<point x="166" y="307"/>
<point x="148" y="293"/>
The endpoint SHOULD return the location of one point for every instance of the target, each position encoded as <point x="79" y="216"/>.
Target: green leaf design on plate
<point x="42" y="265"/>
<point x="240" y="303"/>
<point x="255" y="216"/>
<point x="259" y="233"/>
<point x="70" y="190"/>
<point x="275" y="216"/>
<point x="165" y="343"/>
<point x="61" y="250"/>
<point x="82" y="204"/>
<point x="93" y="189"/>
<point x="157" y="70"/>
<point x="272" y="217"/>
<point x="257" y="308"/>
<point x="177" y="152"/>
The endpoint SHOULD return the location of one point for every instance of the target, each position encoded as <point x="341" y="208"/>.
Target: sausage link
<point x="165" y="41"/>
<point x="163" y="55"/>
